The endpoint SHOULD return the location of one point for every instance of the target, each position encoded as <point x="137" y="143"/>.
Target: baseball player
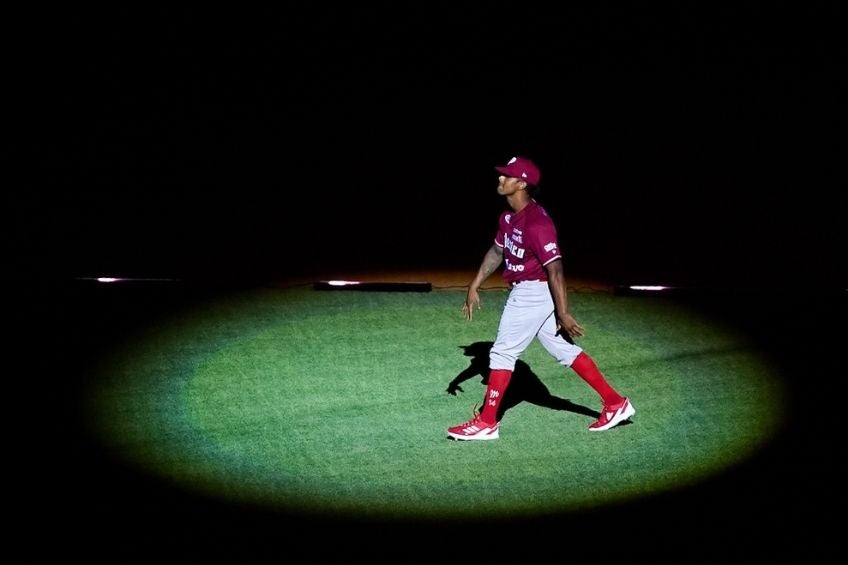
<point x="537" y="307"/>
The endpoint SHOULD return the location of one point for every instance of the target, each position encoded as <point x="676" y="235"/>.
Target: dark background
<point x="682" y="144"/>
<point x="698" y="145"/>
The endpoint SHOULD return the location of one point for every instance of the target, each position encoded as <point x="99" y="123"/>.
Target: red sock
<point x="498" y="381"/>
<point x="585" y="366"/>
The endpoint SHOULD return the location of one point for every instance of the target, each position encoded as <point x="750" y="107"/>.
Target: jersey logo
<point x="508" y="218"/>
<point x="550" y="246"/>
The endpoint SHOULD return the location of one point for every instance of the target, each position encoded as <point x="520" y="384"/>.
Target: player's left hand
<point x="472" y="301"/>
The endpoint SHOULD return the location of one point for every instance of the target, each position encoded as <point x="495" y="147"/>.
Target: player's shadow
<point x="524" y="386"/>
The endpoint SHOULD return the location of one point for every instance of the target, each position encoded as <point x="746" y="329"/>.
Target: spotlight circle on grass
<point x="336" y="404"/>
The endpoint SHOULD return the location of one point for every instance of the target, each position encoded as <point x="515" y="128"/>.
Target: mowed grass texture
<point x="335" y="403"/>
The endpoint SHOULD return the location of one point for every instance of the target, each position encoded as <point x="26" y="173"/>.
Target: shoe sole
<point x="477" y="437"/>
<point x="626" y="415"/>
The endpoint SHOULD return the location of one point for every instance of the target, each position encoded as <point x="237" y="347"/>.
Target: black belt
<point x="514" y="283"/>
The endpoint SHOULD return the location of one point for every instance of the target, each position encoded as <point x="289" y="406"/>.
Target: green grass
<point x="336" y="403"/>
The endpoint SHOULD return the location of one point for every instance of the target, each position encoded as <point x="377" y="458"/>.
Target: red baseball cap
<point x="521" y="168"/>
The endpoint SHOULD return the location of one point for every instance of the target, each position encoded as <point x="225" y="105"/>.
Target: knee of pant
<point x="498" y="360"/>
<point x="567" y="359"/>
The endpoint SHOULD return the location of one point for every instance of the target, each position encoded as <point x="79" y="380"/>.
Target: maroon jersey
<point x="529" y="241"/>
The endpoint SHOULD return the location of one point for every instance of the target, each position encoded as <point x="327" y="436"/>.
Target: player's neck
<point x="519" y="200"/>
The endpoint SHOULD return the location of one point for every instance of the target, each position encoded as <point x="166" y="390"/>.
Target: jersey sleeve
<point x="501" y="233"/>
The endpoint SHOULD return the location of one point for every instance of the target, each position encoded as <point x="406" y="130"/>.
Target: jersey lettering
<point x="513" y="267"/>
<point x="514" y="249"/>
